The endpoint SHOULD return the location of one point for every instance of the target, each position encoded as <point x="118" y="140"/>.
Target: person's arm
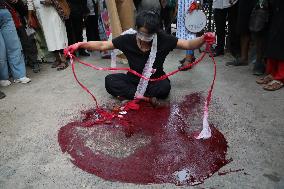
<point x="91" y="45"/>
<point x="190" y="44"/>
<point x="97" y="45"/>
<point x="209" y="38"/>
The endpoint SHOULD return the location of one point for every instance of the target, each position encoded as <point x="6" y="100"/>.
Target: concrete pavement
<point x="251" y="119"/>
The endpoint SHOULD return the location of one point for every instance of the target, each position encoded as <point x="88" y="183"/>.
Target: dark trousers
<point x="166" y="18"/>
<point x="92" y="30"/>
<point x="74" y="27"/>
<point x="122" y="85"/>
<point x="29" y="45"/>
<point x="220" y="17"/>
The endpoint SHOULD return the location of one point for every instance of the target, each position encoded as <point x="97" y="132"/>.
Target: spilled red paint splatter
<point x="221" y="173"/>
<point x="147" y="146"/>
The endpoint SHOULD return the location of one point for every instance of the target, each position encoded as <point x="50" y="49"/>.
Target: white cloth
<point x="222" y="4"/>
<point x="52" y="25"/>
<point x="182" y="31"/>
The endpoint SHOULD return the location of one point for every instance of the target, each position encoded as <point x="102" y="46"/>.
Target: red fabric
<point x="192" y="7"/>
<point x="276" y="69"/>
<point x="16" y="18"/>
<point x="134" y="104"/>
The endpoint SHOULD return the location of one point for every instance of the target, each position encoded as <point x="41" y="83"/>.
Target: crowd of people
<point x="32" y="31"/>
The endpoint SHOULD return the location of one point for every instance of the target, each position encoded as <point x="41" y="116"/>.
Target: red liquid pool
<point x="147" y="146"/>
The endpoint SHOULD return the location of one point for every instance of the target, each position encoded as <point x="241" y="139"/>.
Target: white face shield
<point x="144" y="36"/>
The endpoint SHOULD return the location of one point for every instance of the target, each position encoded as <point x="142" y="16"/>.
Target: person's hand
<point x="71" y="49"/>
<point x="209" y="38"/>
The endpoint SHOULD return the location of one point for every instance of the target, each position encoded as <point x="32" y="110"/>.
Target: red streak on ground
<point x="230" y="171"/>
<point x="173" y="155"/>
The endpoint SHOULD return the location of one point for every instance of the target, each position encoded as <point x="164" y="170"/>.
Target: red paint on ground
<point x="172" y="154"/>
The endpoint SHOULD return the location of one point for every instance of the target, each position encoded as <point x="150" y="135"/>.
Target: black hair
<point x="150" y="19"/>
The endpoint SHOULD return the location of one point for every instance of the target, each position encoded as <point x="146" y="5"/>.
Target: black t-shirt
<point x="137" y="58"/>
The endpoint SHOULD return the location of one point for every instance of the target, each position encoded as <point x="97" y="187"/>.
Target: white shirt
<point x="222" y="4"/>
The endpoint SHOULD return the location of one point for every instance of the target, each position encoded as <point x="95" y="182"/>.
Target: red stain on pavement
<point x="170" y="154"/>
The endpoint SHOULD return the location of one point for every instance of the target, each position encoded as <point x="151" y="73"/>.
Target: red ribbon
<point x="134" y="104"/>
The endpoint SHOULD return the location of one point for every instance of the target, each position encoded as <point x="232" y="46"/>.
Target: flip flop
<point x="264" y="80"/>
<point x="273" y="85"/>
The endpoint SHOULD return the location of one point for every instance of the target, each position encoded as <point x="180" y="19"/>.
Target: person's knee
<point x="165" y="91"/>
<point x="108" y="83"/>
<point x="112" y="83"/>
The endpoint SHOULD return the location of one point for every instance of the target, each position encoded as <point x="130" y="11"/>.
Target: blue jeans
<point x="10" y="48"/>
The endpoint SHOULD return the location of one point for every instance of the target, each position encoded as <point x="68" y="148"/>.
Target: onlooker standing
<point x="168" y="7"/>
<point x="182" y="31"/>
<point x="53" y="28"/>
<point x="11" y="55"/>
<point x="244" y="12"/>
<point x="226" y="10"/>
<point x="274" y="49"/>
<point x="74" y="24"/>
<point x="27" y="39"/>
<point x="91" y="21"/>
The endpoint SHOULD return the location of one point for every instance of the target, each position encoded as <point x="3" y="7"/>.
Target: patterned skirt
<point x="182" y="32"/>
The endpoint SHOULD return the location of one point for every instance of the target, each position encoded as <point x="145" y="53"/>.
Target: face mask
<point x="144" y="36"/>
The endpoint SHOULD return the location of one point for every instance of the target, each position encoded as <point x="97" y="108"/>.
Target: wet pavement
<point x="33" y="118"/>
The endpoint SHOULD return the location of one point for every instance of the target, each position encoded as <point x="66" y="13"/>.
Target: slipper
<point x="264" y="80"/>
<point x="273" y="85"/>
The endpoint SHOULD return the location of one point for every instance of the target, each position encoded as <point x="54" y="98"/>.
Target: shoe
<point x="5" y="83"/>
<point x="23" y="80"/>
<point x="258" y="72"/>
<point x="236" y="62"/>
<point x="36" y="67"/>
<point x="182" y="61"/>
<point x="186" y="62"/>
<point x="83" y="53"/>
<point x="217" y="53"/>
<point x="2" y="95"/>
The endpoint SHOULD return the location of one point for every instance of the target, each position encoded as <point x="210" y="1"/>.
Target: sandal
<point x="185" y="63"/>
<point x="273" y="85"/>
<point x="264" y="80"/>
<point x="63" y="63"/>
<point x="62" y="66"/>
<point x="55" y="64"/>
